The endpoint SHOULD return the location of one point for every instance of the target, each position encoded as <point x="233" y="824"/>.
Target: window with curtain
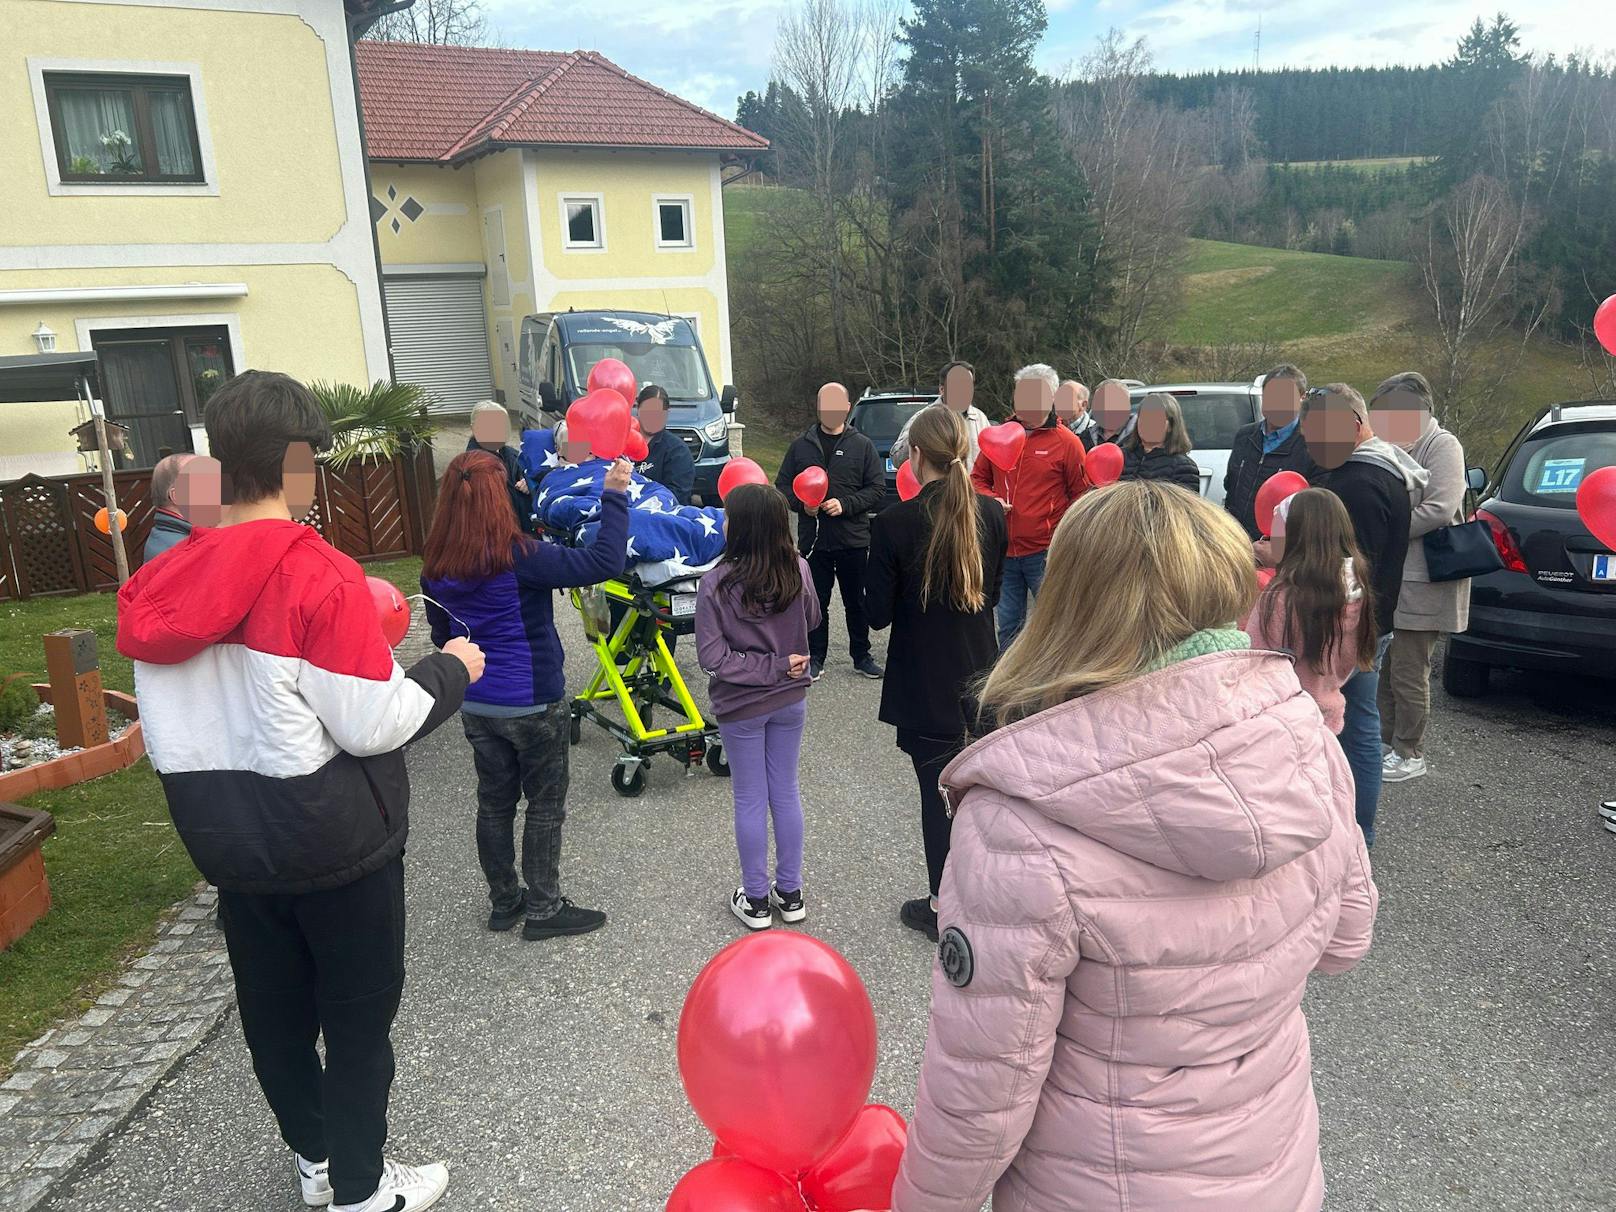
<point x="117" y="128"/>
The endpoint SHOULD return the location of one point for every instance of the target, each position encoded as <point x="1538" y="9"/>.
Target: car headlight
<point x="716" y="431"/>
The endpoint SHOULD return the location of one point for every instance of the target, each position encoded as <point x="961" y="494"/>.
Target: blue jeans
<point x="1360" y="739"/>
<point x="1022" y="577"/>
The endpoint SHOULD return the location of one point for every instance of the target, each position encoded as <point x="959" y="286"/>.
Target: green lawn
<point x="115" y="863"/>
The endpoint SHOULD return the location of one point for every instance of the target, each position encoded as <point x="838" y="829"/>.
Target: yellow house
<point x="507" y="183"/>
<point x="185" y="193"/>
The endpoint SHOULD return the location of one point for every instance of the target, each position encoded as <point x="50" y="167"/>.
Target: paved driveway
<point x="1469" y="1064"/>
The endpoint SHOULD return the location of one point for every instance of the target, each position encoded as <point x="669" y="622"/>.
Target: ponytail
<point x="953" y="564"/>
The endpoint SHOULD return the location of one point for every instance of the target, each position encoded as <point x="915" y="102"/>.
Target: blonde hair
<point x="1177" y="440"/>
<point x="953" y="560"/>
<point x="1134" y="569"/>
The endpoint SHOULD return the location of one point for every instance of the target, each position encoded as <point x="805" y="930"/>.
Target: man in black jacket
<point x="835" y="537"/>
<point x="1365" y="473"/>
<point x="1265" y="448"/>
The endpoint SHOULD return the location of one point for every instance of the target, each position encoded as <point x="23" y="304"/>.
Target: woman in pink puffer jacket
<point x="1149" y="857"/>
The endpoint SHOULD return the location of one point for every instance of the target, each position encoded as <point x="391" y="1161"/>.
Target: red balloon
<point x="1605" y="325"/>
<point x="1104" y="464"/>
<point x="610" y="374"/>
<point x="391" y="609"/>
<point x="601" y="419"/>
<point x="1274" y="490"/>
<point x="1264" y="576"/>
<point x="908" y="486"/>
<point x="811" y="486"/>
<point x="1002" y="444"/>
<point x="728" y="1184"/>
<point x="720" y="1149"/>
<point x="1596" y="504"/>
<point x="636" y="447"/>
<point x="859" y="1172"/>
<point x="739" y="470"/>
<point x="777" y="1048"/>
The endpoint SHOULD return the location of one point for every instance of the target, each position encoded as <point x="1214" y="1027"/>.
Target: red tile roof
<point x="449" y="103"/>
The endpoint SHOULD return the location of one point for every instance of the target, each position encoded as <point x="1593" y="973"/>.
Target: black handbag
<point x="1456" y="552"/>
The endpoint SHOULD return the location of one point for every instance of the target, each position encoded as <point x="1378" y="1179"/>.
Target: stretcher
<point x="636" y="678"/>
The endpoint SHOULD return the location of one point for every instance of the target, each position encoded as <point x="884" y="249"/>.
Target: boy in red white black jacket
<point x="276" y="717"/>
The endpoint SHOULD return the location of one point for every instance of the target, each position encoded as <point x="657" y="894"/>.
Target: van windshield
<point x="680" y="370"/>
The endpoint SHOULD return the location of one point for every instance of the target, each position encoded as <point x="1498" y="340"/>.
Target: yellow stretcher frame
<point x="647" y="678"/>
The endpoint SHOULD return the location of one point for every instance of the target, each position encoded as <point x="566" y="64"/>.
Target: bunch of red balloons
<point x="603" y="418"/>
<point x="777" y="1052"/>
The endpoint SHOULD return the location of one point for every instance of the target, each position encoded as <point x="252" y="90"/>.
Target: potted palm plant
<point x="382" y="421"/>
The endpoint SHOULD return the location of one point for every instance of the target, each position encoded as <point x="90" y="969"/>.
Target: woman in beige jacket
<point x="1400" y="411"/>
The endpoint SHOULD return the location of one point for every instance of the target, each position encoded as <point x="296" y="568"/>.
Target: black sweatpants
<point x="930" y="756"/>
<point x="328" y="963"/>
<point x="847" y="567"/>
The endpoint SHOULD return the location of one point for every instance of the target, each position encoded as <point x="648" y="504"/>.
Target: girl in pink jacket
<point x="1316" y="606"/>
<point x="1149" y="857"/>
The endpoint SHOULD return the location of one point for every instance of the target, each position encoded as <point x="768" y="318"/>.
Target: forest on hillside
<point x="959" y="203"/>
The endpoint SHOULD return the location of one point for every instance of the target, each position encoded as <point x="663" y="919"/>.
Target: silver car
<point x="1213" y="413"/>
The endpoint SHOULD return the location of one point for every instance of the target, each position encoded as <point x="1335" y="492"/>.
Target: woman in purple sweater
<point x="752" y="625"/>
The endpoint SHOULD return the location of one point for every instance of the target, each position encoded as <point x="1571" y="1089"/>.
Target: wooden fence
<point x="371" y="509"/>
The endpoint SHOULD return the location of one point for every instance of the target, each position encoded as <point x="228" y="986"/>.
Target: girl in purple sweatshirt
<point x="752" y="623"/>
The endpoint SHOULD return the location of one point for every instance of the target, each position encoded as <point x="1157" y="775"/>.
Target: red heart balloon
<point x="601" y="419"/>
<point x="1596" y="504"/>
<point x="728" y="1184"/>
<point x="1605" y="325"/>
<point x="1003" y="444"/>
<point x="610" y="374"/>
<point x="739" y="470"/>
<point x="1104" y="463"/>
<point x="391" y="609"/>
<point x="811" y="486"/>
<point x="1274" y="490"/>
<point x="908" y="486"/>
<point x="859" y="1172"/>
<point x="778" y="1079"/>
<point x="636" y="448"/>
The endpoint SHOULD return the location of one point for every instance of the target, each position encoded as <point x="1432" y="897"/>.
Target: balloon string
<point x="421" y="597"/>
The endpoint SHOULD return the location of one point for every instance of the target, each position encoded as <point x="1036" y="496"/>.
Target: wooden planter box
<point x="86" y="764"/>
<point x="24" y="890"/>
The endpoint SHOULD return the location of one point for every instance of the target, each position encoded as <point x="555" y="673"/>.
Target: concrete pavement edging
<point x="81" y="1080"/>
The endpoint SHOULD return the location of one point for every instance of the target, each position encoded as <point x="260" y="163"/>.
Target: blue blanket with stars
<point x="567" y="498"/>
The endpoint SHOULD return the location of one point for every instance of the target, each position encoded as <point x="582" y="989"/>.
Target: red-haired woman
<point x="484" y="575"/>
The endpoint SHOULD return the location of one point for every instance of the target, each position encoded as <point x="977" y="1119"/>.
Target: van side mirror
<point x="1476" y="477"/>
<point x="726" y="400"/>
<point x="548" y="397"/>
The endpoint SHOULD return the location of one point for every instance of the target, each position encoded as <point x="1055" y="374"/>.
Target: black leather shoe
<point x="569" y="919"/>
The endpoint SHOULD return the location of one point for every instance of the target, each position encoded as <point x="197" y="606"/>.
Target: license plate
<point x="1604" y="568"/>
<point x="684" y="605"/>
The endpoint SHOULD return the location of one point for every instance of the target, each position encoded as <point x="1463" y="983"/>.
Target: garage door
<point x="440" y="339"/>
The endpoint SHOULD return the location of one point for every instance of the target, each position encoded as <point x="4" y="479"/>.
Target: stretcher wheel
<point x="717" y="762"/>
<point x="628" y="779"/>
<point x="575" y="730"/>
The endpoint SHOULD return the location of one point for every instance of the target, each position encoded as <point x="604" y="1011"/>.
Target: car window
<point x="1547" y="470"/>
<point x="1213" y="417"/>
<point x="884" y="419"/>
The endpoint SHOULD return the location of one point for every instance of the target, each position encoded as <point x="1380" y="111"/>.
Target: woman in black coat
<point x="1159" y="446"/>
<point x="935" y="566"/>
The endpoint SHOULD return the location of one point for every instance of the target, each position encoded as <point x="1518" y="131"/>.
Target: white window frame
<point x="599" y="203"/>
<point x="688" y="202"/>
<point x="208" y="187"/>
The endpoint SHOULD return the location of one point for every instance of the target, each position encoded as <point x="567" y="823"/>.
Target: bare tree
<point x="1142" y="161"/>
<point x="439" y="22"/>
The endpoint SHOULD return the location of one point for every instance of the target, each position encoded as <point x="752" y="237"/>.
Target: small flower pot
<point x="24" y="890"/>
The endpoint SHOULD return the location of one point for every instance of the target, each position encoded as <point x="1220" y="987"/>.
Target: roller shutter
<point x="440" y="338"/>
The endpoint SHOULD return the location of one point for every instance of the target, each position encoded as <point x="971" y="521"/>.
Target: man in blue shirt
<point x="1269" y="446"/>
<point x="670" y="462"/>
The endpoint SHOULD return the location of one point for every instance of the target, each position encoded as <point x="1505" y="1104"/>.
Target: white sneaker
<point x="753" y="916"/>
<point x="1607" y="814"/>
<point x="403" y="1189"/>
<point x="1401" y="769"/>
<point x="315" y="1180"/>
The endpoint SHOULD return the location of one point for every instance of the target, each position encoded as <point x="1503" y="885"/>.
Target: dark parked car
<point x="1552" y="607"/>
<point x="880" y="416"/>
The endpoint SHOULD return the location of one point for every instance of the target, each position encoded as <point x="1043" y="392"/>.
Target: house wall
<point x="500" y="190"/>
<point x="445" y="230"/>
<point x="280" y="230"/>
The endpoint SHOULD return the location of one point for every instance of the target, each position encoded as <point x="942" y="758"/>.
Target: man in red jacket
<point x="1036" y="493"/>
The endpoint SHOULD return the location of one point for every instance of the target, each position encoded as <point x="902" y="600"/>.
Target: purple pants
<point x="762" y="754"/>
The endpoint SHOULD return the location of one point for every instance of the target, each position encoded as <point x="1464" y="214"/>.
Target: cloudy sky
<point x="711" y="51"/>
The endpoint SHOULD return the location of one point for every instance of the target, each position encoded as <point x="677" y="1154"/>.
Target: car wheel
<point x="1464" y="679"/>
